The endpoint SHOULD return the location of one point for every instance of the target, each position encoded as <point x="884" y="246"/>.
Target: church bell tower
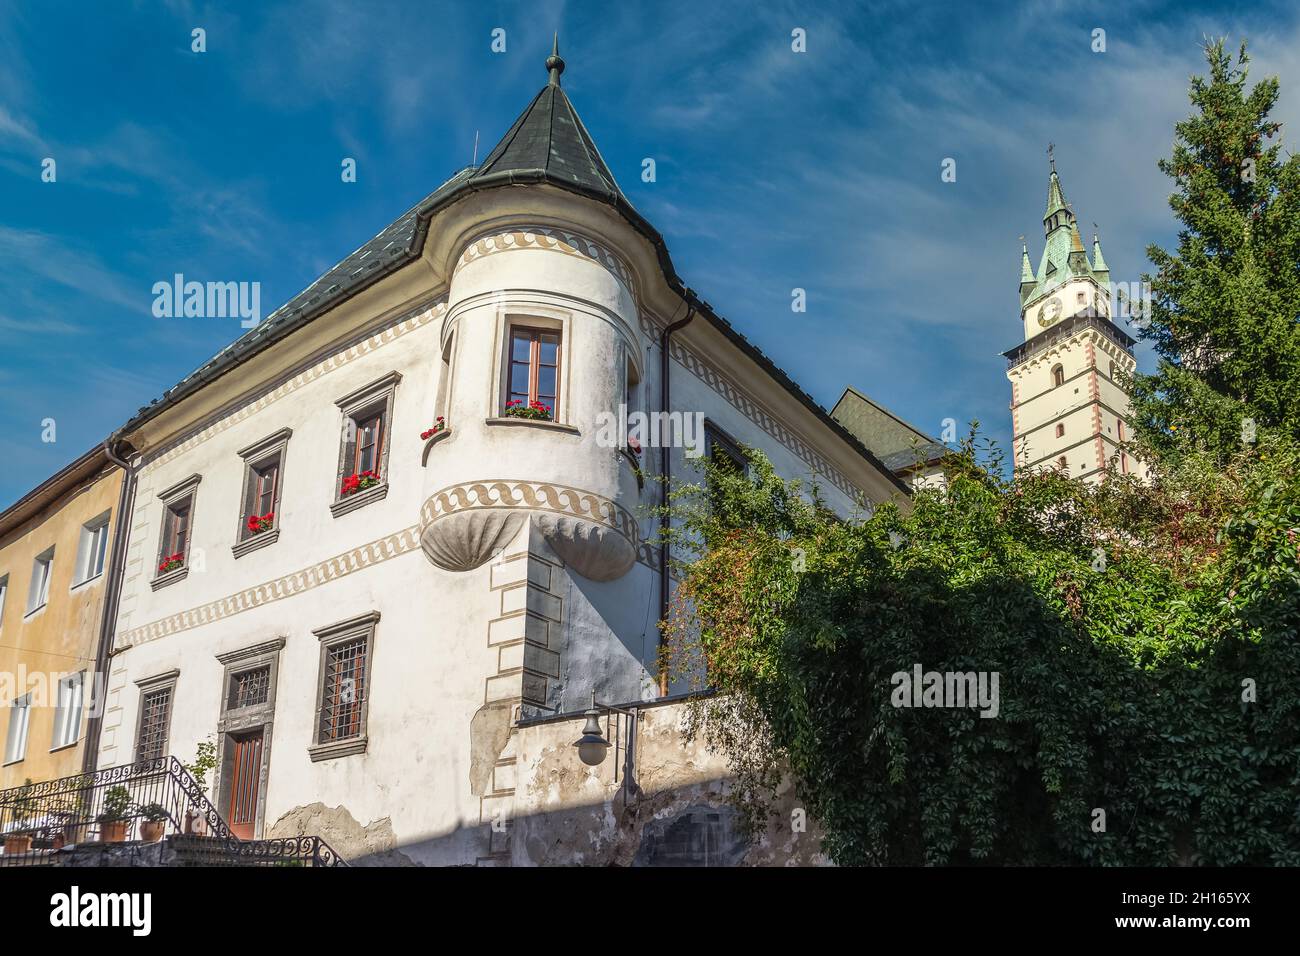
<point x="1069" y="408"/>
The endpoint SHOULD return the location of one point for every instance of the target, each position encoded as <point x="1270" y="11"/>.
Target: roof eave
<point x="525" y="177"/>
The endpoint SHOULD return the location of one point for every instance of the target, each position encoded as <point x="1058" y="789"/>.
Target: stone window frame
<point x="242" y="719"/>
<point x="175" y="495"/>
<point x="147" y="686"/>
<point x="715" y="434"/>
<point x="254" y="456"/>
<point x="383" y="392"/>
<point x="341" y="632"/>
<point x="542" y="318"/>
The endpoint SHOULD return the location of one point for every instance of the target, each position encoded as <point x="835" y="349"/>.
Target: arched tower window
<point x="1062" y="464"/>
<point x="1060" y="431"/>
<point x="1058" y="376"/>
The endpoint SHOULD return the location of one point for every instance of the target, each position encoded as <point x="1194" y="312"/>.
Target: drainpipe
<point x="112" y="595"/>
<point x="665" y="472"/>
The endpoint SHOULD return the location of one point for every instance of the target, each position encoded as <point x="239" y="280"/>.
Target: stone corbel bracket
<point x="464" y="525"/>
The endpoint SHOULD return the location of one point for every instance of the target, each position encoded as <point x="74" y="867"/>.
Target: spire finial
<point x="1051" y="155"/>
<point x="554" y="64"/>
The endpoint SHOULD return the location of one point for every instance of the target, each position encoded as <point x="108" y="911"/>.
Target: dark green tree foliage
<point x="1225" y="305"/>
<point x="1145" y="640"/>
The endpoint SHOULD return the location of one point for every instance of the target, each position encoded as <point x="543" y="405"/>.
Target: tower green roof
<point x="1064" y="256"/>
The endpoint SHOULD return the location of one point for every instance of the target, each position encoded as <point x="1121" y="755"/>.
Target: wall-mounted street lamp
<point x="593" y="745"/>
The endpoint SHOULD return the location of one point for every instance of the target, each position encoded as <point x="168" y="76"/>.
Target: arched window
<point x="1062" y="464"/>
<point x="1060" y="431"/>
<point x="1112" y="371"/>
<point x="1058" y="376"/>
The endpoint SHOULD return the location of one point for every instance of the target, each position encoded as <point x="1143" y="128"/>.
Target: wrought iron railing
<point x="284" y="851"/>
<point x="146" y="801"/>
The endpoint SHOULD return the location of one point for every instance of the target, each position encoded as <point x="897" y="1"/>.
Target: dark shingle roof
<point x="896" y="443"/>
<point x="393" y="247"/>
<point x="547" y="144"/>
<point x="549" y="138"/>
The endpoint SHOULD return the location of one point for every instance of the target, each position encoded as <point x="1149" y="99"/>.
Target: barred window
<point x="155" y="714"/>
<point x="344" y="691"/>
<point x="249" y="688"/>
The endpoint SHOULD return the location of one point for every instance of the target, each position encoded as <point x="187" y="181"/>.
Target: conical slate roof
<point x="549" y="139"/>
<point x="547" y="144"/>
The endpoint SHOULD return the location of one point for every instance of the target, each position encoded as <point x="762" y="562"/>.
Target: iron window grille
<point x="345" y="690"/>
<point x="155" y="714"/>
<point x="249" y="688"/>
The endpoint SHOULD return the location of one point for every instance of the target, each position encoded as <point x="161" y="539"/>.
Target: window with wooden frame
<point x="19" y="717"/>
<point x="443" y="405"/>
<point x="156" y="697"/>
<point x="533" y="372"/>
<point x="724" y="453"/>
<point x="362" y="474"/>
<point x="92" y="550"/>
<point x="1060" y="431"/>
<point x="1062" y="464"/>
<point x="259" y="518"/>
<point x="38" y="593"/>
<point x="177" y="532"/>
<point x="1058" y="376"/>
<point x="67" y="714"/>
<point x="722" y="449"/>
<point x="343" y="689"/>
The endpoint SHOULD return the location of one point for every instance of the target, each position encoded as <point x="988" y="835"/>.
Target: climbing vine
<point x="1144" y="639"/>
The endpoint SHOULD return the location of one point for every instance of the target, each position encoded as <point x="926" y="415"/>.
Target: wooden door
<point x="245" y="779"/>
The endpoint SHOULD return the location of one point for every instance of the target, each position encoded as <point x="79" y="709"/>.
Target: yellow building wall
<point x="62" y="637"/>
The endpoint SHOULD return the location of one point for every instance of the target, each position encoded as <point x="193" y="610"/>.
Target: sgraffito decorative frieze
<point x="312" y="576"/>
<point x="744" y="403"/>
<point x="421" y="317"/>
<point x="556" y="240"/>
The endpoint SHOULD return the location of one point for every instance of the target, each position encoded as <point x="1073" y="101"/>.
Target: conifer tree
<point x="1225" y="305"/>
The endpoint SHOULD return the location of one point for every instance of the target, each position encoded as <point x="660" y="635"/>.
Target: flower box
<point x="515" y="408"/>
<point x="259" y="523"/>
<point x="358" y="482"/>
<point x="171" y="563"/>
<point x="439" y="426"/>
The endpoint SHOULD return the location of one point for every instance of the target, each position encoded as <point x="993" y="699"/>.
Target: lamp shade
<point x="592" y="745"/>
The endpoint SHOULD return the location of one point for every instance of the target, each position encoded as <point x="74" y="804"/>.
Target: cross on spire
<point x="1051" y="155"/>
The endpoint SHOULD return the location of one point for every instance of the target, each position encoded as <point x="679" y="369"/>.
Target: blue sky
<point x="775" y="170"/>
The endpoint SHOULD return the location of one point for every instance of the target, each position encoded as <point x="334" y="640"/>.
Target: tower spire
<point x="555" y="65"/>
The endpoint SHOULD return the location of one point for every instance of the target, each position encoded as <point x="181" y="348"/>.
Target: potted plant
<point x="171" y="563"/>
<point x="73" y="810"/>
<point x="115" y="817"/>
<point x="438" y="426"/>
<point x="259" y="523"/>
<point x="205" y="760"/>
<point x="154" y="822"/>
<point x="358" y="482"/>
<point x="24" y="808"/>
<point x="515" y="408"/>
